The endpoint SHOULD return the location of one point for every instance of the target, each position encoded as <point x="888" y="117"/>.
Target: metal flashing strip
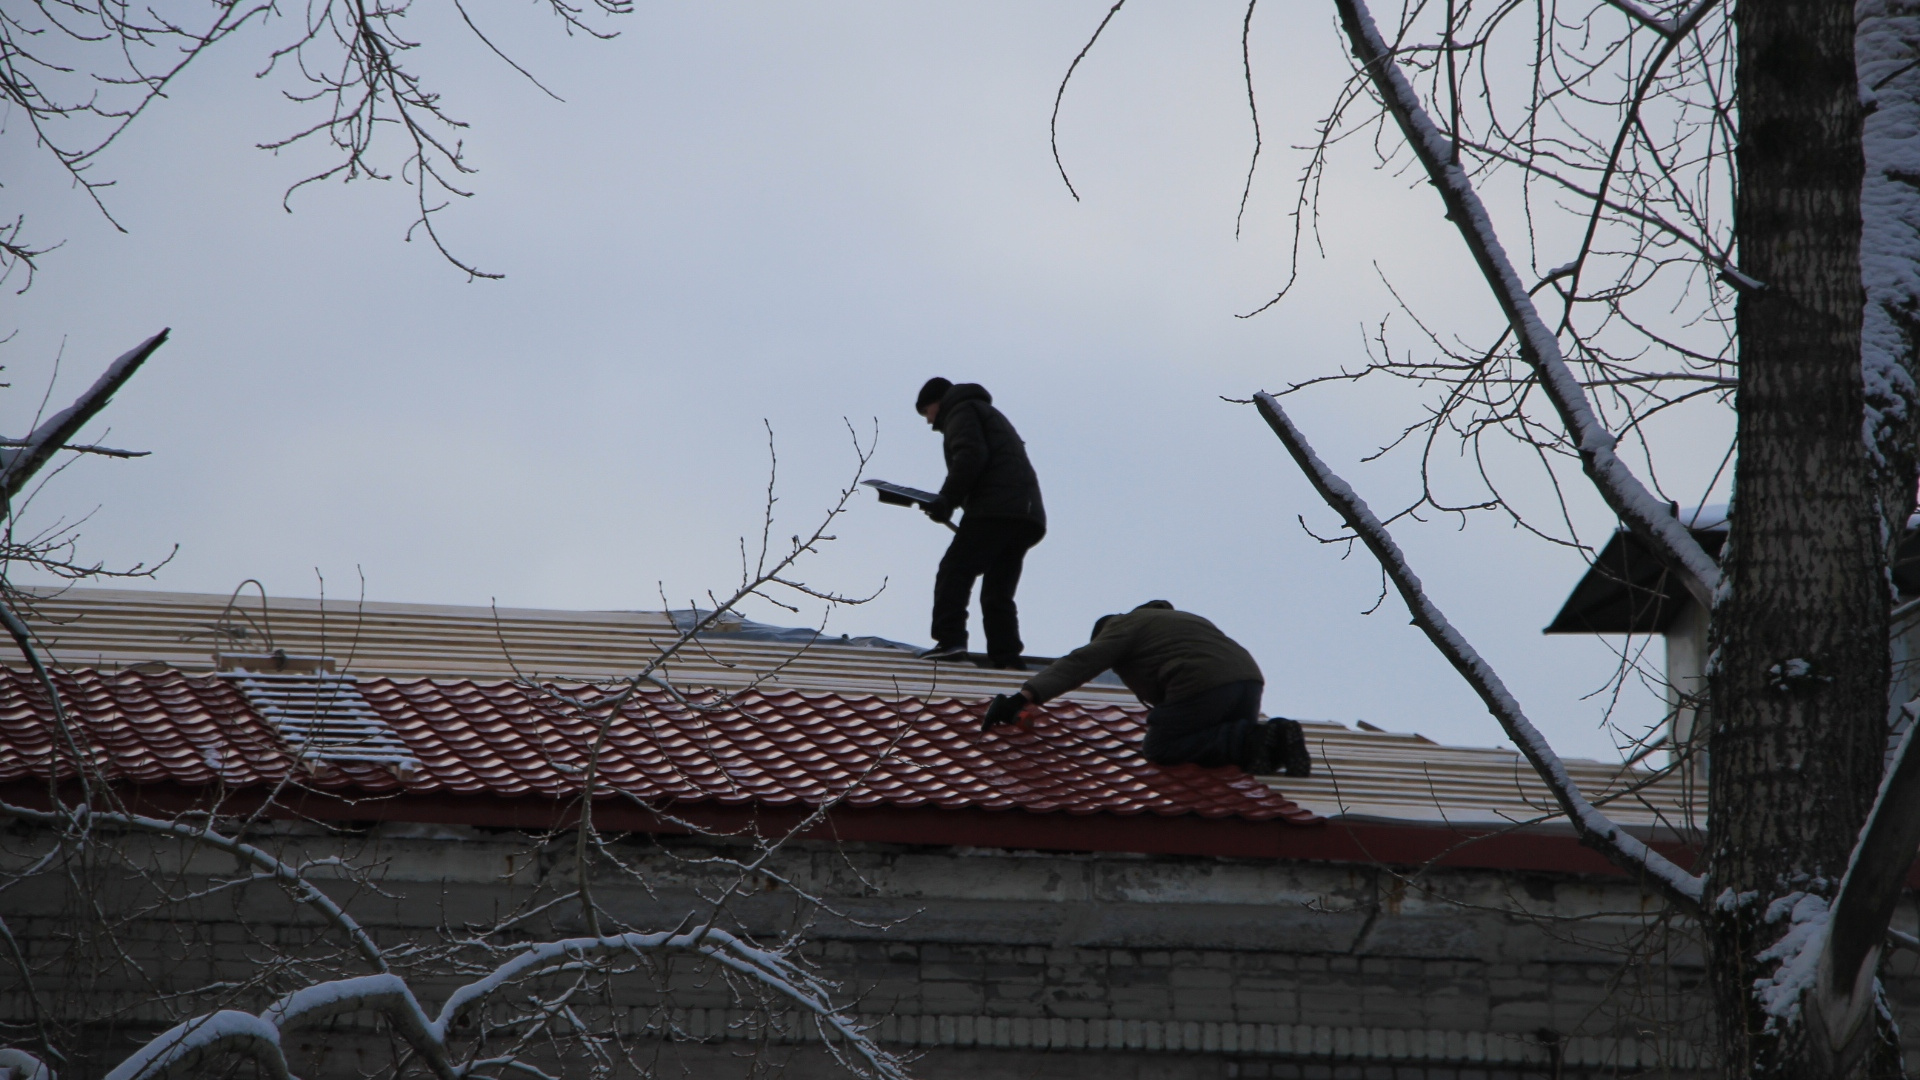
<point x="324" y="718"/>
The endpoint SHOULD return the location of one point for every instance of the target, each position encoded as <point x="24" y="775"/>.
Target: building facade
<point x="1033" y="903"/>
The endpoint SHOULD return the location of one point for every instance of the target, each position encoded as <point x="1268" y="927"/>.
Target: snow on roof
<point x="323" y="717"/>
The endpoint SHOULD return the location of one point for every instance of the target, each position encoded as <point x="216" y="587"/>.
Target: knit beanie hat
<point x="1100" y="623"/>
<point x="935" y="389"/>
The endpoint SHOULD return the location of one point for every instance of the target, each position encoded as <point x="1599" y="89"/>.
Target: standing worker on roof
<point x="1204" y="689"/>
<point x="989" y="477"/>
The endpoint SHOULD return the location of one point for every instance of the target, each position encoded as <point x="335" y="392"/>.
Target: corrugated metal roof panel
<point x="1406" y="777"/>
<point x="115" y="629"/>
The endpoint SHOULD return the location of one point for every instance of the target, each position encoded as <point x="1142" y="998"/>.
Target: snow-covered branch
<point x="1890" y="239"/>
<point x="1842" y="994"/>
<point x="19" y="464"/>
<point x="198" y="1044"/>
<point x="302" y="890"/>
<point x="1639" y="14"/>
<point x="199" y="1040"/>
<point x="87" y="448"/>
<point x="1593" y="826"/>
<point x="24" y="1065"/>
<point x="1647" y="516"/>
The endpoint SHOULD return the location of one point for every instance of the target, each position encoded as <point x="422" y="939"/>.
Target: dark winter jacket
<point x="1161" y="654"/>
<point x="988" y="474"/>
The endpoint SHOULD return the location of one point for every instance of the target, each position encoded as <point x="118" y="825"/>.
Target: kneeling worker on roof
<point x="1204" y="689"/>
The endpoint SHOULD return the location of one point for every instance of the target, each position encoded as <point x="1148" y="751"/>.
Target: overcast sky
<point x="795" y="213"/>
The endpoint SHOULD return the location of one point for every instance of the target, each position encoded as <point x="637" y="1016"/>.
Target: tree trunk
<point x="1799" y="688"/>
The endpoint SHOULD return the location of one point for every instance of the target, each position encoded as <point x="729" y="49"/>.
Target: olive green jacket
<point x="1160" y="653"/>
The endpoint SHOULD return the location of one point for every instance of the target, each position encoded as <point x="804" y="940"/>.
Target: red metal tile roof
<point x="781" y="749"/>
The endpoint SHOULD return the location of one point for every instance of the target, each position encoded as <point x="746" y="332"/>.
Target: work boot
<point x="1260" y="755"/>
<point x="1292" y="755"/>
<point x="1278" y="745"/>
<point x="944" y="652"/>
<point x="1008" y="663"/>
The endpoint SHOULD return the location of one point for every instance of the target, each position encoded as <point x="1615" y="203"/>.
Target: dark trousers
<point x="1218" y="727"/>
<point x="993" y="548"/>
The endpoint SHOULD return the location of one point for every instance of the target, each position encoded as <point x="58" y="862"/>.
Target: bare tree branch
<point x="1624" y="493"/>
<point x="1593" y="826"/>
<point x="87" y="448"/>
<point x="1053" y="124"/>
<point x="19" y="466"/>
<point x="303" y="891"/>
<point x="201" y="1038"/>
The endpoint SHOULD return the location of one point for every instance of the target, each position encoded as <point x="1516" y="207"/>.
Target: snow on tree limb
<point x="728" y="950"/>
<point x="1642" y="16"/>
<point x="1647" y="516"/>
<point x="1593" y="826"/>
<point x="184" y="1048"/>
<point x="1843" y="989"/>
<point x="1667" y="28"/>
<point x="303" y="891"/>
<point x="25" y="1066"/>
<point x="201" y="1039"/>
<point x="18" y="465"/>
<point x="1890" y="226"/>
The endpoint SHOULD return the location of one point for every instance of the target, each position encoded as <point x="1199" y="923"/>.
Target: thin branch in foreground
<point x="17" y="466"/>
<point x="1594" y="828"/>
<point x="303" y="891"/>
<point x="86" y="448"/>
<point x="1253" y="111"/>
<point x="1053" y="124"/>
<point x="258" y="1037"/>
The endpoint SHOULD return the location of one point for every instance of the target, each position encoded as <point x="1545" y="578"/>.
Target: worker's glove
<point x="1004" y="710"/>
<point x="940" y="509"/>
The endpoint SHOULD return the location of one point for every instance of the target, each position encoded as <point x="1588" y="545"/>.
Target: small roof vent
<point x="324" y="717"/>
<point x="277" y="662"/>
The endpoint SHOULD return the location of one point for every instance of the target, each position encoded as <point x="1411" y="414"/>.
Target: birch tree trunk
<point x="1799" y="689"/>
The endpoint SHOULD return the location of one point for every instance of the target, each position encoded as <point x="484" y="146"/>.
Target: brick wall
<point x="991" y="963"/>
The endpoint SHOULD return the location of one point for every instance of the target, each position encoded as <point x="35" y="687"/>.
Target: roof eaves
<point x="1353" y="841"/>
